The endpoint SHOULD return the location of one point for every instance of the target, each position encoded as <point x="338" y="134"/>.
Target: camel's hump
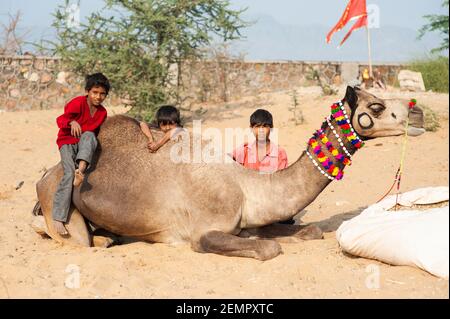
<point x="119" y="130"/>
<point x="119" y="120"/>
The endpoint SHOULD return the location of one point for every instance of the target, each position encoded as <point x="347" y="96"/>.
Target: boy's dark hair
<point x="97" y="79"/>
<point x="168" y="114"/>
<point x="261" y="118"/>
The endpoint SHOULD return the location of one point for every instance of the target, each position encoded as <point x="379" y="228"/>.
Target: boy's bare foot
<point x="79" y="177"/>
<point x="60" y="229"/>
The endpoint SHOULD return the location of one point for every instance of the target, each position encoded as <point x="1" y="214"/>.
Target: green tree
<point x="137" y="42"/>
<point x="437" y="22"/>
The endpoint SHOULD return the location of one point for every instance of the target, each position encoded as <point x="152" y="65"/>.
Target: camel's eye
<point x="376" y="108"/>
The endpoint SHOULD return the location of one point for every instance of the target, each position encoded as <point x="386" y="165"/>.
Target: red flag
<point x="362" y="21"/>
<point x="355" y="9"/>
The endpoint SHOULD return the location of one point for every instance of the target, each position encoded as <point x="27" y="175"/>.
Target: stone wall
<point x="206" y="81"/>
<point x="28" y="82"/>
<point x="219" y="81"/>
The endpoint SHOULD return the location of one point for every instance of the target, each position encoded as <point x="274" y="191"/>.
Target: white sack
<point x="417" y="238"/>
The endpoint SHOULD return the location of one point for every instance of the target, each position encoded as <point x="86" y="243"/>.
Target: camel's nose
<point x="416" y="118"/>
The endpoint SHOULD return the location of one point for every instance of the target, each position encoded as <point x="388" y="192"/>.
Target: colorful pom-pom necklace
<point x="330" y="168"/>
<point x="323" y="163"/>
<point x="340" y="157"/>
<point x="340" y="115"/>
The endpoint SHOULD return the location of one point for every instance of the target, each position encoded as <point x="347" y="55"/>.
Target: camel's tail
<point x="37" y="209"/>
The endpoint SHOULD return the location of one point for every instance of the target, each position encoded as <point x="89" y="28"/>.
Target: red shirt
<point x="274" y="160"/>
<point x="78" y="110"/>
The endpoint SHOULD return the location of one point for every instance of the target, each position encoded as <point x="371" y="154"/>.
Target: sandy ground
<point x="33" y="267"/>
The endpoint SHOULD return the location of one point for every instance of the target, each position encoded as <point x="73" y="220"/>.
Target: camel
<point x="220" y="208"/>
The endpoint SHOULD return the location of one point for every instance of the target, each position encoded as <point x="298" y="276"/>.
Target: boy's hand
<point x="153" y="147"/>
<point x="75" y="129"/>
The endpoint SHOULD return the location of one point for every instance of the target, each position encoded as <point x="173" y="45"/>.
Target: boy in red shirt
<point x="78" y="128"/>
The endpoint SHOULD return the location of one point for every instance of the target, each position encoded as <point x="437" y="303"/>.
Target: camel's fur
<point x="132" y="192"/>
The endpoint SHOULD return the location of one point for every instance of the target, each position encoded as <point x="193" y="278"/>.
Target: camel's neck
<point x="282" y="195"/>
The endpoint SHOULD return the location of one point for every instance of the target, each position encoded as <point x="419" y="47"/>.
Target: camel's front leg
<point x="284" y="233"/>
<point x="221" y="243"/>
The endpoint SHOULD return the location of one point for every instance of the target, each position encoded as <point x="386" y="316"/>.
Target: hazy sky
<point x="327" y="12"/>
<point x="299" y="12"/>
<point x="405" y="13"/>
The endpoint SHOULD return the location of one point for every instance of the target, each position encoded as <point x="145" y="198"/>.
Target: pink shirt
<point x="247" y="155"/>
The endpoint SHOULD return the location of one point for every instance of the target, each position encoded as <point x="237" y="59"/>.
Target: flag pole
<point x="370" y="51"/>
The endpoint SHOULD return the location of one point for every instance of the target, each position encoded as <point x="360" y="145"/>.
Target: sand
<point x="35" y="267"/>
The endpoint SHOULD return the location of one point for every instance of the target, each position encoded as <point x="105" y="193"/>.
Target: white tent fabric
<point x="418" y="238"/>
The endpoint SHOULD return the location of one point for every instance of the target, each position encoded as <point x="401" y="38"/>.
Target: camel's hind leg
<point x="221" y="243"/>
<point x="76" y="226"/>
<point x="284" y="233"/>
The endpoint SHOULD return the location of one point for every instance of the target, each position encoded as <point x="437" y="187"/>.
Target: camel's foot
<point x="102" y="242"/>
<point x="78" y="179"/>
<point x="229" y="245"/>
<point x="39" y="226"/>
<point x="104" y="239"/>
<point x="310" y="232"/>
<point x="60" y="228"/>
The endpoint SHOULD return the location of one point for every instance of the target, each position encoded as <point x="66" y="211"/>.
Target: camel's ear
<point x="351" y="97"/>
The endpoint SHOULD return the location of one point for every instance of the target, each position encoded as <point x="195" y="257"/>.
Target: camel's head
<point x="374" y="117"/>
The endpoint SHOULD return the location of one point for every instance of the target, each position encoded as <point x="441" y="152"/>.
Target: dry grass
<point x="434" y="71"/>
<point x="431" y="119"/>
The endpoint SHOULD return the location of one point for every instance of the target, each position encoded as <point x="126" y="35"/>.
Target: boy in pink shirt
<point x="262" y="155"/>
